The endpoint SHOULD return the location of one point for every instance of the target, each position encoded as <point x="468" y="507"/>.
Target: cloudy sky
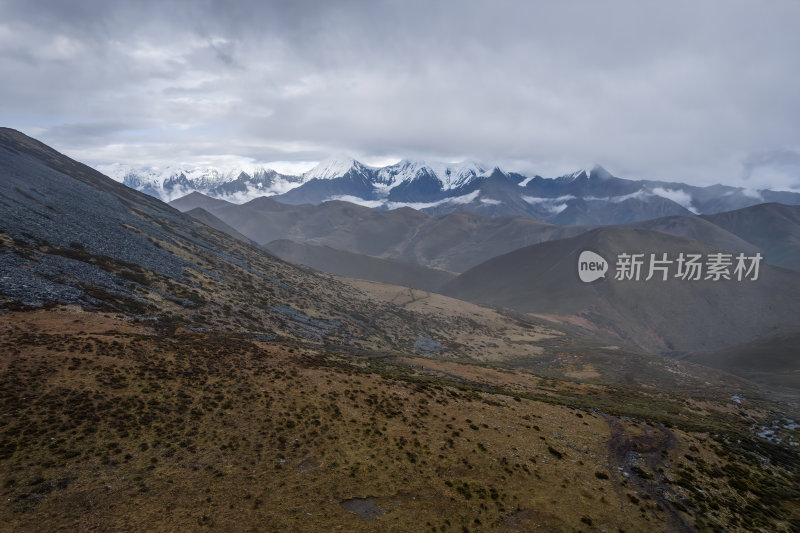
<point x="699" y="91"/>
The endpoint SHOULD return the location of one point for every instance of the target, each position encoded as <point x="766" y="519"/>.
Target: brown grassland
<point x="107" y="424"/>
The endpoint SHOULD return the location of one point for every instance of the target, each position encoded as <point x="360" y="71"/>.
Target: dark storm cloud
<point x="674" y="90"/>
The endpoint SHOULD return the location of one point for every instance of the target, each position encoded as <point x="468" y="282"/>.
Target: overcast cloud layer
<point x="701" y="92"/>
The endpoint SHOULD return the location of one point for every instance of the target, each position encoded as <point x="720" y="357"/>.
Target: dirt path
<point x="624" y="454"/>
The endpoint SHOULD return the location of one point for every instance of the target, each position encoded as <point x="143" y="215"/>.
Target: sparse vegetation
<point x="206" y="424"/>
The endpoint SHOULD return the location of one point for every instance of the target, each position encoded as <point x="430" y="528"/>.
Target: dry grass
<point x="473" y="332"/>
<point x="108" y="426"/>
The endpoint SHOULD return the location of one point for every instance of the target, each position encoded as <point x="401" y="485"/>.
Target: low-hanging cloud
<point x="778" y="169"/>
<point x="684" y="91"/>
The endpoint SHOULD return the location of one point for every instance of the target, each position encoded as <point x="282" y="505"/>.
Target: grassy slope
<point x="109" y="425"/>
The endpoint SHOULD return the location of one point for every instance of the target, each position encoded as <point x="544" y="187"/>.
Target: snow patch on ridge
<point x="545" y="200"/>
<point x="458" y="200"/>
<point x="553" y="205"/>
<point x="641" y="193"/>
<point x="490" y="201"/>
<point x="356" y="200"/>
<point x="555" y="208"/>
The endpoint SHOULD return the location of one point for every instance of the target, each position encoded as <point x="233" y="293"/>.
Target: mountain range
<point x="454" y="242"/>
<point x="171" y="182"/>
<point x="527" y="265"/>
<point x="593" y="197"/>
<point x="460" y="240"/>
<point x="163" y="371"/>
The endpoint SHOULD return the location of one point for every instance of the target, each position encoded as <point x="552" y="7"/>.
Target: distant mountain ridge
<point x="455" y="242"/>
<point x="172" y="182"/>
<point x="460" y="240"/>
<point x="594" y="197"/>
<point x="671" y="315"/>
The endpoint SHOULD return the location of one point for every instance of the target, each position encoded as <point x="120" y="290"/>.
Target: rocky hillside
<point x="159" y="374"/>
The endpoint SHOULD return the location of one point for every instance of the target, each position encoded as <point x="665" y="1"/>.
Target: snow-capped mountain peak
<point x="334" y="168"/>
<point x="573" y="176"/>
<point x="596" y="173"/>
<point x="454" y="175"/>
<point x="170" y="182"/>
<point x="401" y="172"/>
<point x="491" y="170"/>
<point x="450" y="175"/>
<point x="208" y="177"/>
<point x="598" y="197"/>
<point x="203" y="176"/>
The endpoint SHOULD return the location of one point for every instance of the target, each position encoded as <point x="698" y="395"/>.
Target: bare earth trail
<point x="652" y="446"/>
